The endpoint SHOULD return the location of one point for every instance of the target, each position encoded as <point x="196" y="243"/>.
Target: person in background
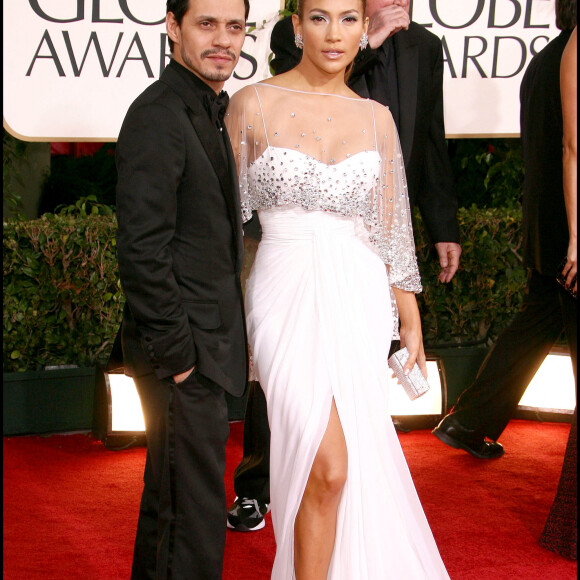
<point x="549" y="309"/>
<point x="560" y="533"/>
<point x="180" y="256"/>
<point x="402" y="68"/>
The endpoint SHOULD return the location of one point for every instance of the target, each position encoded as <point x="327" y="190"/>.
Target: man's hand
<point x="571" y="267"/>
<point x="449" y="253"/>
<point x="388" y="20"/>
<point x="181" y="377"/>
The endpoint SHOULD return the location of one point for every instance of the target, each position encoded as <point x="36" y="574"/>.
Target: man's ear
<point x="173" y="30"/>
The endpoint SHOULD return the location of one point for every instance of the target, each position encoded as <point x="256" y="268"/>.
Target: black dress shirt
<point x="208" y="97"/>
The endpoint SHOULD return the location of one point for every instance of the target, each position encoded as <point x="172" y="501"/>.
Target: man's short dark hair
<point x="180" y="7"/>
<point x="566" y="14"/>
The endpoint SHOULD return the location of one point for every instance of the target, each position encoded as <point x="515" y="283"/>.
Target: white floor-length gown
<point x="326" y="175"/>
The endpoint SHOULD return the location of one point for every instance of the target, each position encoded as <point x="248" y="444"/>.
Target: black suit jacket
<point x="419" y="62"/>
<point x="179" y="243"/>
<point x="546" y="235"/>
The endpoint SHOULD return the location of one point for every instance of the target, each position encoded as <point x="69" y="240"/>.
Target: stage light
<point x="125" y="404"/>
<point x="551" y="395"/>
<point x="118" y="417"/>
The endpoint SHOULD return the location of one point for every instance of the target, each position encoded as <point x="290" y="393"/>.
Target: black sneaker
<point x="247" y="515"/>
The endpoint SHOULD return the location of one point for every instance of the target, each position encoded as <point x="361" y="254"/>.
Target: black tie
<point x="216" y="106"/>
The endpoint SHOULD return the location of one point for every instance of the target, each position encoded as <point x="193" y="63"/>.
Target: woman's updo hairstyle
<point x="300" y="8"/>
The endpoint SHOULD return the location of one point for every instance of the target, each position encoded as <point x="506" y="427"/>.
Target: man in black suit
<point x="403" y="69"/>
<point x="180" y="253"/>
<point x="485" y="408"/>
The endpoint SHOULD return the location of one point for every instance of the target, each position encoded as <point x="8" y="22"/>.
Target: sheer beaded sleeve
<point x="389" y="218"/>
<point x="245" y="125"/>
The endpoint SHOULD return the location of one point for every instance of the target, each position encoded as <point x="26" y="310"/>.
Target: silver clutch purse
<point x="415" y="384"/>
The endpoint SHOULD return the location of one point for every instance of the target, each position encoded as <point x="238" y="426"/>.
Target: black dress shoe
<point x="454" y="434"/>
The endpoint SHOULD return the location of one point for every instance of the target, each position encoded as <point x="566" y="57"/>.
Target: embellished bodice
<point x="328" y="153"/>
<point x="283" y="176"/>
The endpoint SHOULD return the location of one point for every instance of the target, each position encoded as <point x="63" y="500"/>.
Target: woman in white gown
<point x="336" y="262"/>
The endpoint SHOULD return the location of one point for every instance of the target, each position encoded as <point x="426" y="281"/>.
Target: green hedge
<point x="62" y="297"/>
<point x="489" y="286"/>
<point x="63" y="301"/>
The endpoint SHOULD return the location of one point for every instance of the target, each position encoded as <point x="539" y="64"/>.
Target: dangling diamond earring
<point x="364" y="41"/>
<point x="299" y="41"/>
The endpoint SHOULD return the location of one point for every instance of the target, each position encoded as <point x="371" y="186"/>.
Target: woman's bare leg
<point x="315" y="526"/>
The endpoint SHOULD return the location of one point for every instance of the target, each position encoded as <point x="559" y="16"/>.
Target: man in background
<point x="483" y="410"/>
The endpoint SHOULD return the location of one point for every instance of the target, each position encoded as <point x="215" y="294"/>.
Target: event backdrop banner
<point x="487" y="46"/>
<point x="72" y="68"/>
<point x="80" y="63"/>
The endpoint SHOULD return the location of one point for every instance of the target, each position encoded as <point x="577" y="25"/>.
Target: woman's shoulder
<point x="244" y="99"/>
<point x="252" y="93"/>
<point x="383" y="115"/>
<point x="380" y="109"/>
<point x="281" y="81"/>
<point x="245" y="93"/>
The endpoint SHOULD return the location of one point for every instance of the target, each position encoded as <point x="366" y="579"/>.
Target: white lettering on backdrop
<point x="73" y="67"/>
<point x="80" y="63"/>
<point x="487" y="45"/>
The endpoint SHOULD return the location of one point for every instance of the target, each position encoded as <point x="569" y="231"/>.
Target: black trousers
<point x="252" y="475"/>
<point x="546" y="312"/>
<point x="182" y="520"/>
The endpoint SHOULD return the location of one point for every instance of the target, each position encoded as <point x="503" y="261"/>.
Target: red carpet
<point x="70" y="507"/>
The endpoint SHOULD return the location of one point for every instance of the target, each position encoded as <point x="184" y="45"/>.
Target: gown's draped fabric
<point x="327" y="178"/>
